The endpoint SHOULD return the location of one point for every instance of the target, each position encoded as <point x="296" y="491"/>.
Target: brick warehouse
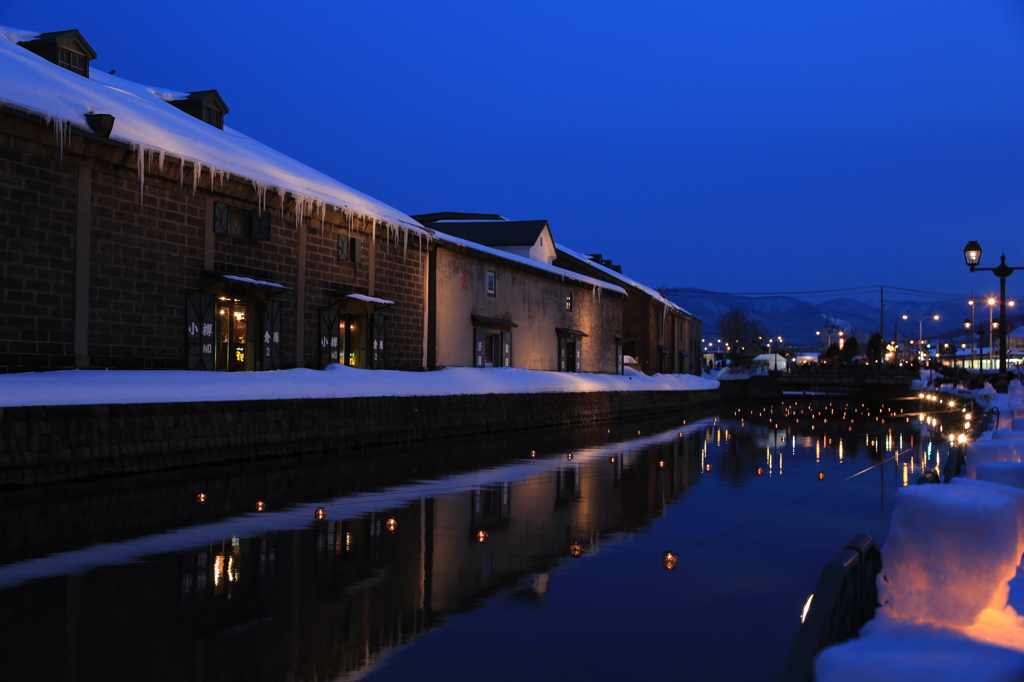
<point x="121" y="251"/>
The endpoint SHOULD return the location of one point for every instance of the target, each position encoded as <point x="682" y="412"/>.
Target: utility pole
<point x="881" y="323"/>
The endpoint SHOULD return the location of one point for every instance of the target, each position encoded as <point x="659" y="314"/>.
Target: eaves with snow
<point x="144" y="120"/>
<point x="618" y="276"/>
<point x="563" y="274"/>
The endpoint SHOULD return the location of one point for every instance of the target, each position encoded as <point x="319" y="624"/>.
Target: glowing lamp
<point x="821" y="475"/>
<point x="575" y="549"/>
<point x="391" y="524"/>
<point x="320" y="514"/>
<point x="760" y="471"/>
<point x="481" y="536"/>
<point x="260" y="506"/>
<point x="201" y="497"/>
<point x="569" y="456"/>
<point x="670" y="560"/>
<point x="972" y="253"/>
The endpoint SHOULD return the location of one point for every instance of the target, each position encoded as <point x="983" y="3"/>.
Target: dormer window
<point x="213" y="117"/>
<point x="72" y="61"/>
<point x="206" y="105"/>
<point x="67" y="49"/>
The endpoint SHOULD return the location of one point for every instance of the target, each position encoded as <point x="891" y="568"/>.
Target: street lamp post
<point x="972" y="256"/>
<point x="920" y="335"/>
<point x="968" y="326"/>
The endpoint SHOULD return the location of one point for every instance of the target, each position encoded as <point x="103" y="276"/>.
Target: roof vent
<point x="206" y="105"/>
<point x="101" y="124"/>
<point x="67" y="49"/>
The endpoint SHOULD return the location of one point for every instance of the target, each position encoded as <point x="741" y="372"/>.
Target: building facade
<point x="492" y="309"/>
<point x="120" y="253"/>
<point x="659" y="335"/>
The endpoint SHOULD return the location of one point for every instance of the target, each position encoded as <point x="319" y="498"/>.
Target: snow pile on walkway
<point x="949" y="586"/>
<point x="99" y="387"/>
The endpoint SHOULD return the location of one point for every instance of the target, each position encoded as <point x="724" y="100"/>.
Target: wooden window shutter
<point x="329" y="337"/>
<point x="563" y="352"/>
<point x="579" y="354"/>
<point x="220" y="218"/>
<point x="260" y="225"/>
<point x="271" y="354"/>
<point x="199" y="318"/>
<point x="343" y="244"/>
<point x="479" y="341"/>
<point x="357" y="250"/>
<point x="506" y="349"/>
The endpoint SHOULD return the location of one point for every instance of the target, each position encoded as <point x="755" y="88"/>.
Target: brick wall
<point x="148" y="246"/>
<point x="37" y="257"/>
<point x="43" y="444"/>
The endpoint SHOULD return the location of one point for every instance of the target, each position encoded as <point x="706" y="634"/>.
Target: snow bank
<point x="97" y="387"/>
<point x="899" y="651"/>
<point x="950" y="552"/>
<point x="982" y="451"/>
<point x="1007" y="473"/>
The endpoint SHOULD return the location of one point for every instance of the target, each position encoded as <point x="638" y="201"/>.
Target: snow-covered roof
<point x="564" y="274"/>
<point x="144" y="120"/>
<point x="622" y="278"/>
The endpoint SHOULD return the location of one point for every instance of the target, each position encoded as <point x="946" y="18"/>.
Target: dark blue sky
<point x="734" y="146"/>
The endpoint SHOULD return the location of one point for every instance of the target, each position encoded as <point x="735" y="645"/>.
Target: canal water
<point x="536" y="555"/>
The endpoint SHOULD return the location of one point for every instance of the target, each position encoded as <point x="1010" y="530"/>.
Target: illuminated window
<point x="491" y="285"/>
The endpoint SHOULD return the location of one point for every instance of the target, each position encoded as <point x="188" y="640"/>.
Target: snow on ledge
<point x="101" y="387"/>
<point x="370" y="299"/>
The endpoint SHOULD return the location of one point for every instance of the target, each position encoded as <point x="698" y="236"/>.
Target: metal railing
<point x="844" y="599"/>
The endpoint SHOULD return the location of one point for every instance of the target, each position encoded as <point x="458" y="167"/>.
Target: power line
<point x="862" y="290"/>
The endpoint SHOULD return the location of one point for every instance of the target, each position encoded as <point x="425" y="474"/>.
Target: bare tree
<point x="738" y="327"/>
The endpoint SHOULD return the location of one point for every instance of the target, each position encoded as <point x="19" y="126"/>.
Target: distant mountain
<point x="796" y="321"/>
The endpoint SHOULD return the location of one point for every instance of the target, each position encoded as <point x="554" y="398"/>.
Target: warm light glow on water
<point x="379" y="564"/>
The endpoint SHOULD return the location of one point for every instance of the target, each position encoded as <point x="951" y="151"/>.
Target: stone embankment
<point x="57" y="443"/>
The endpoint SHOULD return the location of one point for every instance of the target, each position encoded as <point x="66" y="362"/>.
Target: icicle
<point x="62" y="131"/>
<point x="280" y="201"/>
<point x="405" y="243"/>
<point x="181" y="173"/>
<point x="160" y="161"/>
<point x="197" y="170"/>
<point x="213" y="174"/>
<point x="323" y="213"/>
<point x="350" y="219"/>
<point x="140" y="162"/>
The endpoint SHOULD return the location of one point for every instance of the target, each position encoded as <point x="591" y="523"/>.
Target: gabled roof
<point x="454" y="215"/>
<point x="207" y="98"/>
<point x="495" y="232"/>
<point x="616" y="276"/>
<point x="70" y="39"/>
<point x="529" y="263"/>
<point x="146" y="122"/>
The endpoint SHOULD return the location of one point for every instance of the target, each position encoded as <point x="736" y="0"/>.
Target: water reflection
<point x="302" y="585"/>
